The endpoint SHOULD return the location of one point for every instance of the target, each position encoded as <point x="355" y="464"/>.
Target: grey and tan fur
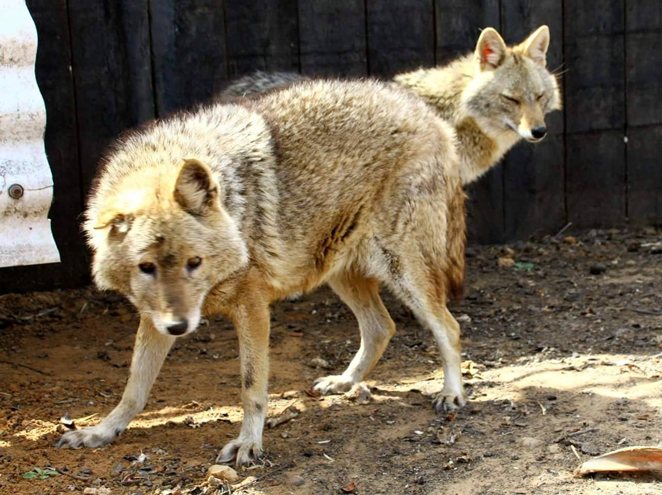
<point x="493" y="97"/>
<point x="232" y="207"/>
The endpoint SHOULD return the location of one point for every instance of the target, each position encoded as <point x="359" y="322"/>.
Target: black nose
<point x="539" y="132"/>
<point x="178" y="328"/>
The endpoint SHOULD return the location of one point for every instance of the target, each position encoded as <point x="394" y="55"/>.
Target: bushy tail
<point x="258" y="83"/>
<point x="455" y="244"/>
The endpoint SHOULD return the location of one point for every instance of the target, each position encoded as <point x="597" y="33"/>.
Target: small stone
<point x="318" y="362"/>
<point x="505" y="262"/>
<point x="102" y="490"/>
<point x="214" y="482"/>
<point x="295" y="480"/>
<point x="223" y="473"/>
<point x="597" y="269"/>
<point x="508" y="252"/>
<point x="634" y="246"/>
<point x="463" y="318"/>
<point x="554" y="448"/>
<point x="290" y="394"/>
<point x="530" y="442"/>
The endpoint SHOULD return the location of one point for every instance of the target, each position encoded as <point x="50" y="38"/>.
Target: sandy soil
<point x="560" y="363"/>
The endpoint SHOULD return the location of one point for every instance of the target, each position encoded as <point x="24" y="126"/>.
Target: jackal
<point x="494" y="97"/>
<point x="231" y="207"/>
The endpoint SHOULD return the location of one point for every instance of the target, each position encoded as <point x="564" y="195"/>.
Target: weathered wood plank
<point x="596" y="178"/>
<point x="400" y="35"/>
<point x="643" y="71"/>
<point x="188" y="51"/>
<point x="458" y="24"/>
<point x="594" y="57"/>
<point x="111" y="65"/>
<point x="644" y="157"/>
<point x="332" y="37"/>
<point x="643" y="40"/>
<point x="261" y="34"/>
<point x="534" y="174"/>
<point x="56" y="85"/>
<point x="595" y="108"/>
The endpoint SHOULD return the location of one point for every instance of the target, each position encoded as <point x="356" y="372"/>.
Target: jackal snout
<point x="532" y="125"/>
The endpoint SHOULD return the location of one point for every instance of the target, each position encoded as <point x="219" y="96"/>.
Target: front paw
<point x="447" y="402"/>
<point x="87" y="437"/>
<point x="333" y="384"/>
<point x="246" y="452"/>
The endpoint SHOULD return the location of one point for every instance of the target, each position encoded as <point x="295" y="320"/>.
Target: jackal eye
<point x="539" y="97"/>
<point x="510" y="99"/>
<point x="193" y="263"/>
<point x="147" y="268"/>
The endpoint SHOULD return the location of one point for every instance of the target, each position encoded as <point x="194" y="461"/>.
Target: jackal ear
<point x="490" y="49"/>
<point x="196" y="191"/>
<point x="536" y="45"/>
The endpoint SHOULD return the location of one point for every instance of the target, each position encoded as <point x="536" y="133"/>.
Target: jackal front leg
<point x="149" y="352"/>
<point x="252" y="324"/>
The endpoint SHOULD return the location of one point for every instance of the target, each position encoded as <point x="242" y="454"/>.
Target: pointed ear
<point x="536" y="45"/>
<point x="490" y="49"/>
<point x="196" y="191"/>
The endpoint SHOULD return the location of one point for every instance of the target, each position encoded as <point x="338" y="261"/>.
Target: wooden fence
<point x="107" y="65"/>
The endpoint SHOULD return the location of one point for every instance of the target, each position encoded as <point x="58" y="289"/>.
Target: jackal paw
<point x="447" y="402"/>
<point x="245" y="452"/>
<point x="333" y="384"/>
<point x="87" y="437"/>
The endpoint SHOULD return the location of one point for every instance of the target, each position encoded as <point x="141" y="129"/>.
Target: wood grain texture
<point x="261" y="34"/>
<point x="332" y="37"/>
<point x="643" y="69"/>
<point x="643" y="40"/>
<point x="644" y="155"/>
<point x="458" y="25"/>
<point x="188" y="52"/>
<point x="400" y="35"/>
<point x="596" y="178"/>
<point x="111" y="68"/>
<point x="595" y="112"/>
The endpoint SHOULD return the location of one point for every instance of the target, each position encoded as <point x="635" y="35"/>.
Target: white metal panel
<point x="26" y="183"/>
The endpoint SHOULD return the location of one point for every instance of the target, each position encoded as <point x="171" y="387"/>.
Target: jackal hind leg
<point x="418" y="286"/>
<point x="361" y="294"/>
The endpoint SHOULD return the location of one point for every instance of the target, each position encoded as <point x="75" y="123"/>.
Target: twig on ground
<point x="19" y="365"/>
<point x="574" y="434"/>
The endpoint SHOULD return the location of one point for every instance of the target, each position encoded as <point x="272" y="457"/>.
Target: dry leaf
<point x="627" y="459"/>
<point x="349" y="487"/>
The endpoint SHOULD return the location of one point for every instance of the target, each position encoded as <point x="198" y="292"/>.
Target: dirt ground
<point x="562" y="348"/>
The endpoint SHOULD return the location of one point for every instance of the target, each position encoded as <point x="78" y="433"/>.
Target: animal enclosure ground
<point x="562" y="348"/>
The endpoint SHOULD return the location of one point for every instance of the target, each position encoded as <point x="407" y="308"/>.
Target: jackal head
<point x="165" y="244"/>
<point x="513" y="89"/>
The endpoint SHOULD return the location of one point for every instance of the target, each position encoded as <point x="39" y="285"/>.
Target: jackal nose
<point x="539" y="132"/>
<point x="178" y="328"/>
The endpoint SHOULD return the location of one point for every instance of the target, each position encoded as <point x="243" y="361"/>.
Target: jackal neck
<point x="443" y="88"/>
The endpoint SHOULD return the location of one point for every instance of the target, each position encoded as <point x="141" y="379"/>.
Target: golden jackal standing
<point x="229" y="208"/>
<point x="493" y="97"/>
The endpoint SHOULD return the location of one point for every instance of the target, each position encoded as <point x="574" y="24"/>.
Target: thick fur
<point x="257" y="83"/>
<point x="494" y="97"/>
<point x="232" y="207"/>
